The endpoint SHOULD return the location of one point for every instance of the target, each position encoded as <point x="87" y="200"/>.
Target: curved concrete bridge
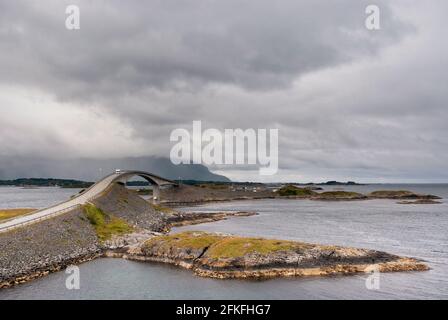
<point x="89" y="194"/>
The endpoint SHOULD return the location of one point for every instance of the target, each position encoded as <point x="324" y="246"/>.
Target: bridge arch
<point x="86" y="196"/>
<point x="123" y="176"/>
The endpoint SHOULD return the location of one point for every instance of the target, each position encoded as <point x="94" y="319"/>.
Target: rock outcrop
<point x="338" y="196"/>
<point x="401" y="195"/>
<point x="219" y="255"/>
<point x="178" y="219"/>
<point x="50" y="245"/>
<point x="422" y="201"/>
<point x="128" y="205"/>
<point x="47" y="246"/>
<point x="185" y="194"/>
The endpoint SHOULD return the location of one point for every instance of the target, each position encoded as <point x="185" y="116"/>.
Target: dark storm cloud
<point x="348" y="101"/>
<point x="124" y="47"/>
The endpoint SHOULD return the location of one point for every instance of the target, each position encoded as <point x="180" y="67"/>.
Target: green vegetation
<point x="13" y="213"/>
<point x="401" y="194"/>
<point x="234" y="247"/>
<point x="223" y="246"/>
<point x="105" y="225"/>
<point x="291" y="190"/>
<point x="214" y="186"/>
<point x="335" y="195"/>
<point x="163" y="209"/>
<point x="189" y="239"/>
<point x="391" y="194"/>
<point x="144" y="192"/>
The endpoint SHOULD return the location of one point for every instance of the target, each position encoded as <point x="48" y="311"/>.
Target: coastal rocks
<point x="400" y="265"/>
<point x="129" y="240"/>
<point x="422" y="201"/>
<point x="51" y="245"/>
<point x="293" y="192"/>
<point x="47" y="246"/>
<point x="224" y="256"/>
<point x="339" y="196"/>
<point x="185" y="194"/>
<point x="296" y="192"/>
<point x="177" y="219"/>
<point x="401" y="195"/>
<point x="129" y="206"/>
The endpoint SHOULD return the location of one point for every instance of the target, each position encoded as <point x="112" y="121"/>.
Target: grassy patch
<point x="13" y="213"/>
<point x="105" y="225"/>
<point x="233" y="247"/>
<point x="163" y="209"/>
<point x="291" y="190"/>
<point x="224" y="246"/>
<point x="339" y="195"/>
<point x="144" y="192"/>
<point x="391" y="193"/>
<point x="189" y="239"/>
<point x="215" y="186"/>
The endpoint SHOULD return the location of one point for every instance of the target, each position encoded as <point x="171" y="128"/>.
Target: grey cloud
<point x="124" y="47"/>
<point x="347" y="101"/>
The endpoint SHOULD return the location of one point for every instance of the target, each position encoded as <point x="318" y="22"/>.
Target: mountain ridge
<point x="89" y="169"/>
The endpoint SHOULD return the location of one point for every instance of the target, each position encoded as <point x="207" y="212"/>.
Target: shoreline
<point x="44" y="271"/>
<point x="403" y="265"/>
<point x="104" y="249"/>
<point x="275" y="264"/>
<point x="90" y="249"/>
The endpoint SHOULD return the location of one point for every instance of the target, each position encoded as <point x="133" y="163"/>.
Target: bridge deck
<point x="94" y="191"/>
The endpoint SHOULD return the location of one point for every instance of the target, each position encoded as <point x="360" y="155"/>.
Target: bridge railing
<point x="62" y="211"/>
<point x="48" y="216"/>
<point x="54" y="214"/>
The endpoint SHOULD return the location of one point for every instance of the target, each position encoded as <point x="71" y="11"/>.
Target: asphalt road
<point x="94" y="191"/>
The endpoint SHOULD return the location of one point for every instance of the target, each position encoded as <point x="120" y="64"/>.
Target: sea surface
<point x="419" y="231"/>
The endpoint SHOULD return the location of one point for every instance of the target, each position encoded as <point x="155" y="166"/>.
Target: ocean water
<point x="411" y="230"/>
<point x="37" y="198"/>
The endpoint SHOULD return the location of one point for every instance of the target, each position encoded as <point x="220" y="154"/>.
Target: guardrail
<point x="48" y="216"/>
<point x="62" y="211"/>
<point x="54" y="214"/>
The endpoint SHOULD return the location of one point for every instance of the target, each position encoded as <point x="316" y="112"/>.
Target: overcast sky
<point x="349" y="103"/>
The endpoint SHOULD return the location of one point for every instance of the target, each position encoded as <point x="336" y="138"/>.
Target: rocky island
<point x="421" y="201"/>
<point x="294" y="192"/>
<point x="225" y="256"/>
<point x="401" y="195"/>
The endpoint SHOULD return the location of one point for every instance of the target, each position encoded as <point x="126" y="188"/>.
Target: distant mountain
<point x="93" y="169"/>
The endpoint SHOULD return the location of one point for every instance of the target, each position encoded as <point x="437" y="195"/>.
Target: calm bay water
<point x="411" y="230"/>
<point x="38" y="198"/>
